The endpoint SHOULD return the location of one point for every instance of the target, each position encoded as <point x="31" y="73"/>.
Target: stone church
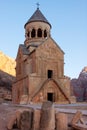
<point x="40" y="66"/>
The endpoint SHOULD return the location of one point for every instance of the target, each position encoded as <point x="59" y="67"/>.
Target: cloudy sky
<point x="69" y="28"/>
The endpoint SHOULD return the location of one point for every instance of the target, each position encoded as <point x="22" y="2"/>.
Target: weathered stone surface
<point x="76" y="117"/>
<point x="11" y="122"/>
<point x="47" y="116"/>
<point x="77" y="122"/>
<point x="61" y="121"/>
<point x="79" y="127"/>
<point x="24" y="99"/>
<point x="26" y="120"/>
<point x="18" y="117"/>
<point x="36" y="119"/>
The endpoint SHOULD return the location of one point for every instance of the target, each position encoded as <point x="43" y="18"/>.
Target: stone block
<point x="26" y="120"/>
<point x="76" y="117"/>
<point x="11" y="122"/>
<point x="36" y="119"/>
<point x="47" y="116"/>
<point x="61" y="121"/>
<point x="18" y="117"/>
<point x="79" y="127"/>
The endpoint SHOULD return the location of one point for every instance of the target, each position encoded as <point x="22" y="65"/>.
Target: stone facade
<point x="40" y="66"/>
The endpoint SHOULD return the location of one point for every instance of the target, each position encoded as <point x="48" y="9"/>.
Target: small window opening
<point x="39" y="33"/>
<point x="28" y="34"/>
<point x="33" y="33"/>
<point x="45" y="33"/>
<point x="50" y="97"/>
<point x="50" y="73"/>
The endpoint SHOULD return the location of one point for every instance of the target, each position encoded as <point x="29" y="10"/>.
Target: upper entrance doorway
<point x="50" y="74"/>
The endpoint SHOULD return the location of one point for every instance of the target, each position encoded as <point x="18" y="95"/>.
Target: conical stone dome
<point x="37" y="29"/>
<point x="36" y="17"/>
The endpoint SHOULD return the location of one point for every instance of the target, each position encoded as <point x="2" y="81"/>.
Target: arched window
<point x="45" y="33"/>
<point x="33" y="33"/>
<point x="28" y="34"/>
<point x="39" y="33"/>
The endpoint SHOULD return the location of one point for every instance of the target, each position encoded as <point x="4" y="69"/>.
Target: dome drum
<point x="37" y="30"/>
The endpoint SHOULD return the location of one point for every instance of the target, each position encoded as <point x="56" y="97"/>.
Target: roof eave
<point x="37" y="21"/>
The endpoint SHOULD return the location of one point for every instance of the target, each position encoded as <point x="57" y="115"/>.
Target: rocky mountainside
<point x="7" y="74"/>
<point x="79" y="86"/>
<point x="7" y="64"/>
<point x="6" y="80"/>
